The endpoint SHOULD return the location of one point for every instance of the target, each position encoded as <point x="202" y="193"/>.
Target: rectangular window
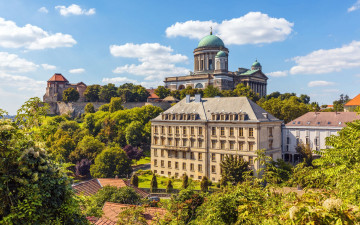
<point x="162" y="163"/>
<point x="232" y="145"/>
<point x="307" y="140"/>
<point x="176" y="165"/>
<point x="192" y="130"/>
<point x="200" y="168"/>
<point x="213" y="144"/>
<point x="169" y="153"/>
<point x="155" y="129"/>
<point x="184" y="155"/>
<point x="222" y="157"/>
<point x="177" y="130"/>
<point x="162" y="153"/>
<point x="184" y="166"/>
<point x="184" y="142"/>
<point x="210" y="64"/>
<point x="162" y="141"/>
<point x="155" y="162"/>
<point x="162" y="129"/>
<point x="200" y="143"/>
<point x="222" y="131"/>
<point x="176" y="154"/>
<point x="200" y="156"/>
<point x="213" y="157"/>
<point x="155" y="152"/>
<point x="155" y="141"/>
<point x="170" y="141"/>
<point x="231" y="131"/>
<point x="192" y="155"/>
<point x="251" y="132"/>
<point x="241" y="132"/>
<point x="222" y="145"/>
<point x="192" y="143"/>
<point x="251" y="146"/>
<point x="213" y="131"/>
<point x="169" y="174"/>
<point x="177" y="142"/>
<point x="270" y="144"/>
<point x="222" y="117"/>
<point x="213" y="169"/>
<point x="170" y="130"/>
<point x="184" y="130"/>
<point x="200" y="130"/>
<point x="270" y="131"/>
<point x="169" y="164"/>
<point x="192" y="166"/>
<point x="241" y="146"/>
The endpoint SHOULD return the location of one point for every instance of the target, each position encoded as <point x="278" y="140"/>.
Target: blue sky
<point x="306" y="47"/>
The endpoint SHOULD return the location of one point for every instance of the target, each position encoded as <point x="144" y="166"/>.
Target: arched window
<point x="199" y="85"/>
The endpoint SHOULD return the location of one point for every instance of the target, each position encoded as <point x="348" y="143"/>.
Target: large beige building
<point x="194" y="135"/>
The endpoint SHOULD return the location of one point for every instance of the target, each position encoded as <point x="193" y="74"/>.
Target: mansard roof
<point x="58" y="77"/>
<point x="206" y="107"/>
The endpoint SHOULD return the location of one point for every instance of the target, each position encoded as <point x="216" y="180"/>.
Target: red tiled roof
<point x="152" y="93"/>
<point x="58" y="77"/>
<point x="104" y="221"/>
<point x="354" y="102"/>
<point x="91" y="187"/>
<point x="87" y="188"/>
<point x="112" y="210"/>
<point x="328" y="119"/>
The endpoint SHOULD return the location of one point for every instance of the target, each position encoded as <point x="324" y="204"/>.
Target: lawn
<point x="145" y="177"/>
<point x="143" y="160"/>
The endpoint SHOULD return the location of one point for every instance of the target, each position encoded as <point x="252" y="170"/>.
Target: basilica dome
<point x="211" y="41"/>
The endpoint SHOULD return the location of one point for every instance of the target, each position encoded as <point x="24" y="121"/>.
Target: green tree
<point x="88" y="148"/>
<point x="125" y="195"/>
<point x="162" y="92"/>
<point x="305" y="152"/>
<point x="175" y="94"/>
<point x="204" y="185"/>
<point x="134" y="133"/>
<point x="339" y="104"/>
<point x="104" y="108"/>
<point x="92" y="93"/>
<point x="304" y="99"/>
<point x="70" y="95"/>
<point x="89" y="108"/>
<point x="115" y="104"/>
<point x="111" y="162"/>
<point x="211" y="91"/>
<point x="29" y="180"/>
<point x="234" y="167"/>
<point x="185" y="181"/>
<point x="154" y="184"/>
<point x="242" y="90"/>
<point x="31" y="113"/>
<point x="132" y="215"/>
<point x="107" y="92"/>
<point x="169" y="186"/>
<point x="134" y="180"/>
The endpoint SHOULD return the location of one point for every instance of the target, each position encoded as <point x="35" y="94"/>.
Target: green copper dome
<point x="211" y="41"/>
<point x="256" y="64"/>
<point x="220" y="54"/>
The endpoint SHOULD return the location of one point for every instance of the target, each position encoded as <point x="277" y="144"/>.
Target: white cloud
<point x="118" y="80"/>
<point x="320" y="83"/>
<point x="283" y="73"/>
<point x="354" y="7"/>
<point x="31" y="37"/>
<point x="157" y="61"/>
<point x="43" y="10"/>
<point x="77" y="71"/>
<point x="48" y="67"/>
<point x="327" y="61"/>
<point x="11" y="63"/>
<point x="74" y="10"/>
<point x="252" y="28"/>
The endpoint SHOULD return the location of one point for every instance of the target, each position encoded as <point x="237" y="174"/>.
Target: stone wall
<point x="75" y="109"/>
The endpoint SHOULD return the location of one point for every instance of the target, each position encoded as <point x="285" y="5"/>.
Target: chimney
<point x="198" y="98"/>
<point x="187" y="98"/>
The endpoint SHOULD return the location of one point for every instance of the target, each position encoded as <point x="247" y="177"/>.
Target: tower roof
<point x="58" y="77"/>
<point x="211" y="41"/>
<point x="256" y="64"/>
<point x="220" y="54"/>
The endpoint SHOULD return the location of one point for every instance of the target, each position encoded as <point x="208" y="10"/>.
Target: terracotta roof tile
<point x="91" y="187"/>
<point x="104" y="221"/>
<point x="328" y="119"/>
<point x="87" y="188"/>
<point x="58" y="77"/>
<point x="112" y="210"/>
<point x="355" y="101"/>
<point x="152" y="93"/>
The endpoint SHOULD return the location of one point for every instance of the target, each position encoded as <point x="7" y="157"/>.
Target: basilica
<point x="211" y="68"/>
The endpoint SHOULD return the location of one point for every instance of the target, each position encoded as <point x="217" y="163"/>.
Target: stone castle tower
<point x="57" y="84"/>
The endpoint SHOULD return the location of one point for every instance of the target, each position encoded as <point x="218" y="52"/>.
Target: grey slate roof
<point x="207" y="106"/>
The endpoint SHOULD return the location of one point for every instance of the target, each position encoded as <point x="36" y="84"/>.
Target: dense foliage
<point x="70" y="95"/>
